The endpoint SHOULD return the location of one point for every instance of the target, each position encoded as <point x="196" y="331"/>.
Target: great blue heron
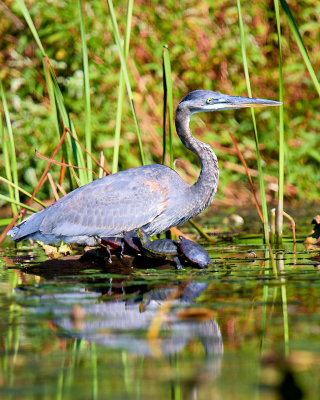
<point x="151" y="197"/>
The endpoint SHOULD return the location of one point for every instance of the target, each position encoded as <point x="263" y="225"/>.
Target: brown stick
<point x="61" y="189"/>
<point x="248" y="174"/>
<point x="41" y="181"/>
<point x="90" y="155"/>
<point x="293" y="225"/>
<point x="61" y="163"/>
<point x="53" y="187"/>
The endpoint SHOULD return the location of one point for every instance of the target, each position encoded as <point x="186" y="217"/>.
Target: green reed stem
<point x="198" y="228"/>
<point x="281" y="132"/>
<point x="56" y="117"/>
<point x="5" y="221"/>
<point x="76" y="148"/>
<point x="6" y="160"/>
<point x="116" y="34"/>
<point x="86" y="87"/>
<point x="9" y="183"/>
<point x="115" y="164"/>
<point x="30" y="23"/>
<point x="299" y="41"/>
<point x="18" y="203"/>
<point x="167" y="81"/>
<point x="164" y="114"/>
<point x="273" y="262"/>
<point x="116" y="147"/>
<point x="9" y="153"/>
<point x="79" y="159"/>
<point x="246" y="72"/>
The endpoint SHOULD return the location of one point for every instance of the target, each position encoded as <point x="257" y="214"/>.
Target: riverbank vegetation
<point x="61" y="75"/>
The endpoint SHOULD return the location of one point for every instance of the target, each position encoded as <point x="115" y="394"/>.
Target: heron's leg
<point x="178" y="262"/>
<point x="107" y="247"/>
<point x="109" y="253"/>
<point x="122" y="248"/>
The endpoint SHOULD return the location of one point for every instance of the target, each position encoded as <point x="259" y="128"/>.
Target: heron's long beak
<point x="243" y="102"/>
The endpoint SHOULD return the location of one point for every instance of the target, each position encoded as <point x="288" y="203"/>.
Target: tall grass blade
<point x="164" y="114"/>
<point x="6" y="161"/>
<point x="246" y="72"/>
<point x="117" y="39"/>
<point x="9" y="152"/>
<point x="116" y="147"/>
<point x="58" y="96"/>
<point x="2" y="179"/>
<point x="299" y="41"/>
<point x="5" y="221"/>
<point x="199" y="229"/>
<point x="115" y="164"/>
<point x="56" y="115"/>
<point x="281" y="132"/>
<point x="18" y="203"/>
<point x="77" y="153"/>
<point x="86" y="86"/>
<point x="169" y="100"/>
<point x="39" y="184"/>
<point x="30" y="23"/>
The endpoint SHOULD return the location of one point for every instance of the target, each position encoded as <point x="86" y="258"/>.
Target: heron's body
<point x="151" y="197"/>
<point x="144" y="197"/>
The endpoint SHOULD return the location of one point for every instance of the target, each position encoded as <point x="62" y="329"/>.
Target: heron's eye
<point x="209" y="100"/>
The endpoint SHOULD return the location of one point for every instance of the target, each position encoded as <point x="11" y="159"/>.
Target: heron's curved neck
<point x="206" y="186"/>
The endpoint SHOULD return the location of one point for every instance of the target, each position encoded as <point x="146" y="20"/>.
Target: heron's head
<point x="206" y="100"/>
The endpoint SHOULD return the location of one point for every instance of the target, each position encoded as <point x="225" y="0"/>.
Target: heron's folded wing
<point x="107" y="207"/>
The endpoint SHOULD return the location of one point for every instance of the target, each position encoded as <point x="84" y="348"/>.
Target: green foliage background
<point x="203" y="39"/>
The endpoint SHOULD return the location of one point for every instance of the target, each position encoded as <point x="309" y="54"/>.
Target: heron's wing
<point x="109" y="206"/>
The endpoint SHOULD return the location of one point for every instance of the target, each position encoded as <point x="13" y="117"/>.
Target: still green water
<point x="247" y="328"/>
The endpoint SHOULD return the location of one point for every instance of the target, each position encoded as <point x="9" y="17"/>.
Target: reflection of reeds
<point x="284" y="303"/>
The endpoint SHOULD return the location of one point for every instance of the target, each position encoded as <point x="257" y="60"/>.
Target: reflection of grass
<point x="242" y="292"/>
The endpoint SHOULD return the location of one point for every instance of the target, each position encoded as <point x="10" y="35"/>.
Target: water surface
<point x="246" y="328"/>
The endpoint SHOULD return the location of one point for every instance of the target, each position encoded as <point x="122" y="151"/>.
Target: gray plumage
<point x="151" y="197"/>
